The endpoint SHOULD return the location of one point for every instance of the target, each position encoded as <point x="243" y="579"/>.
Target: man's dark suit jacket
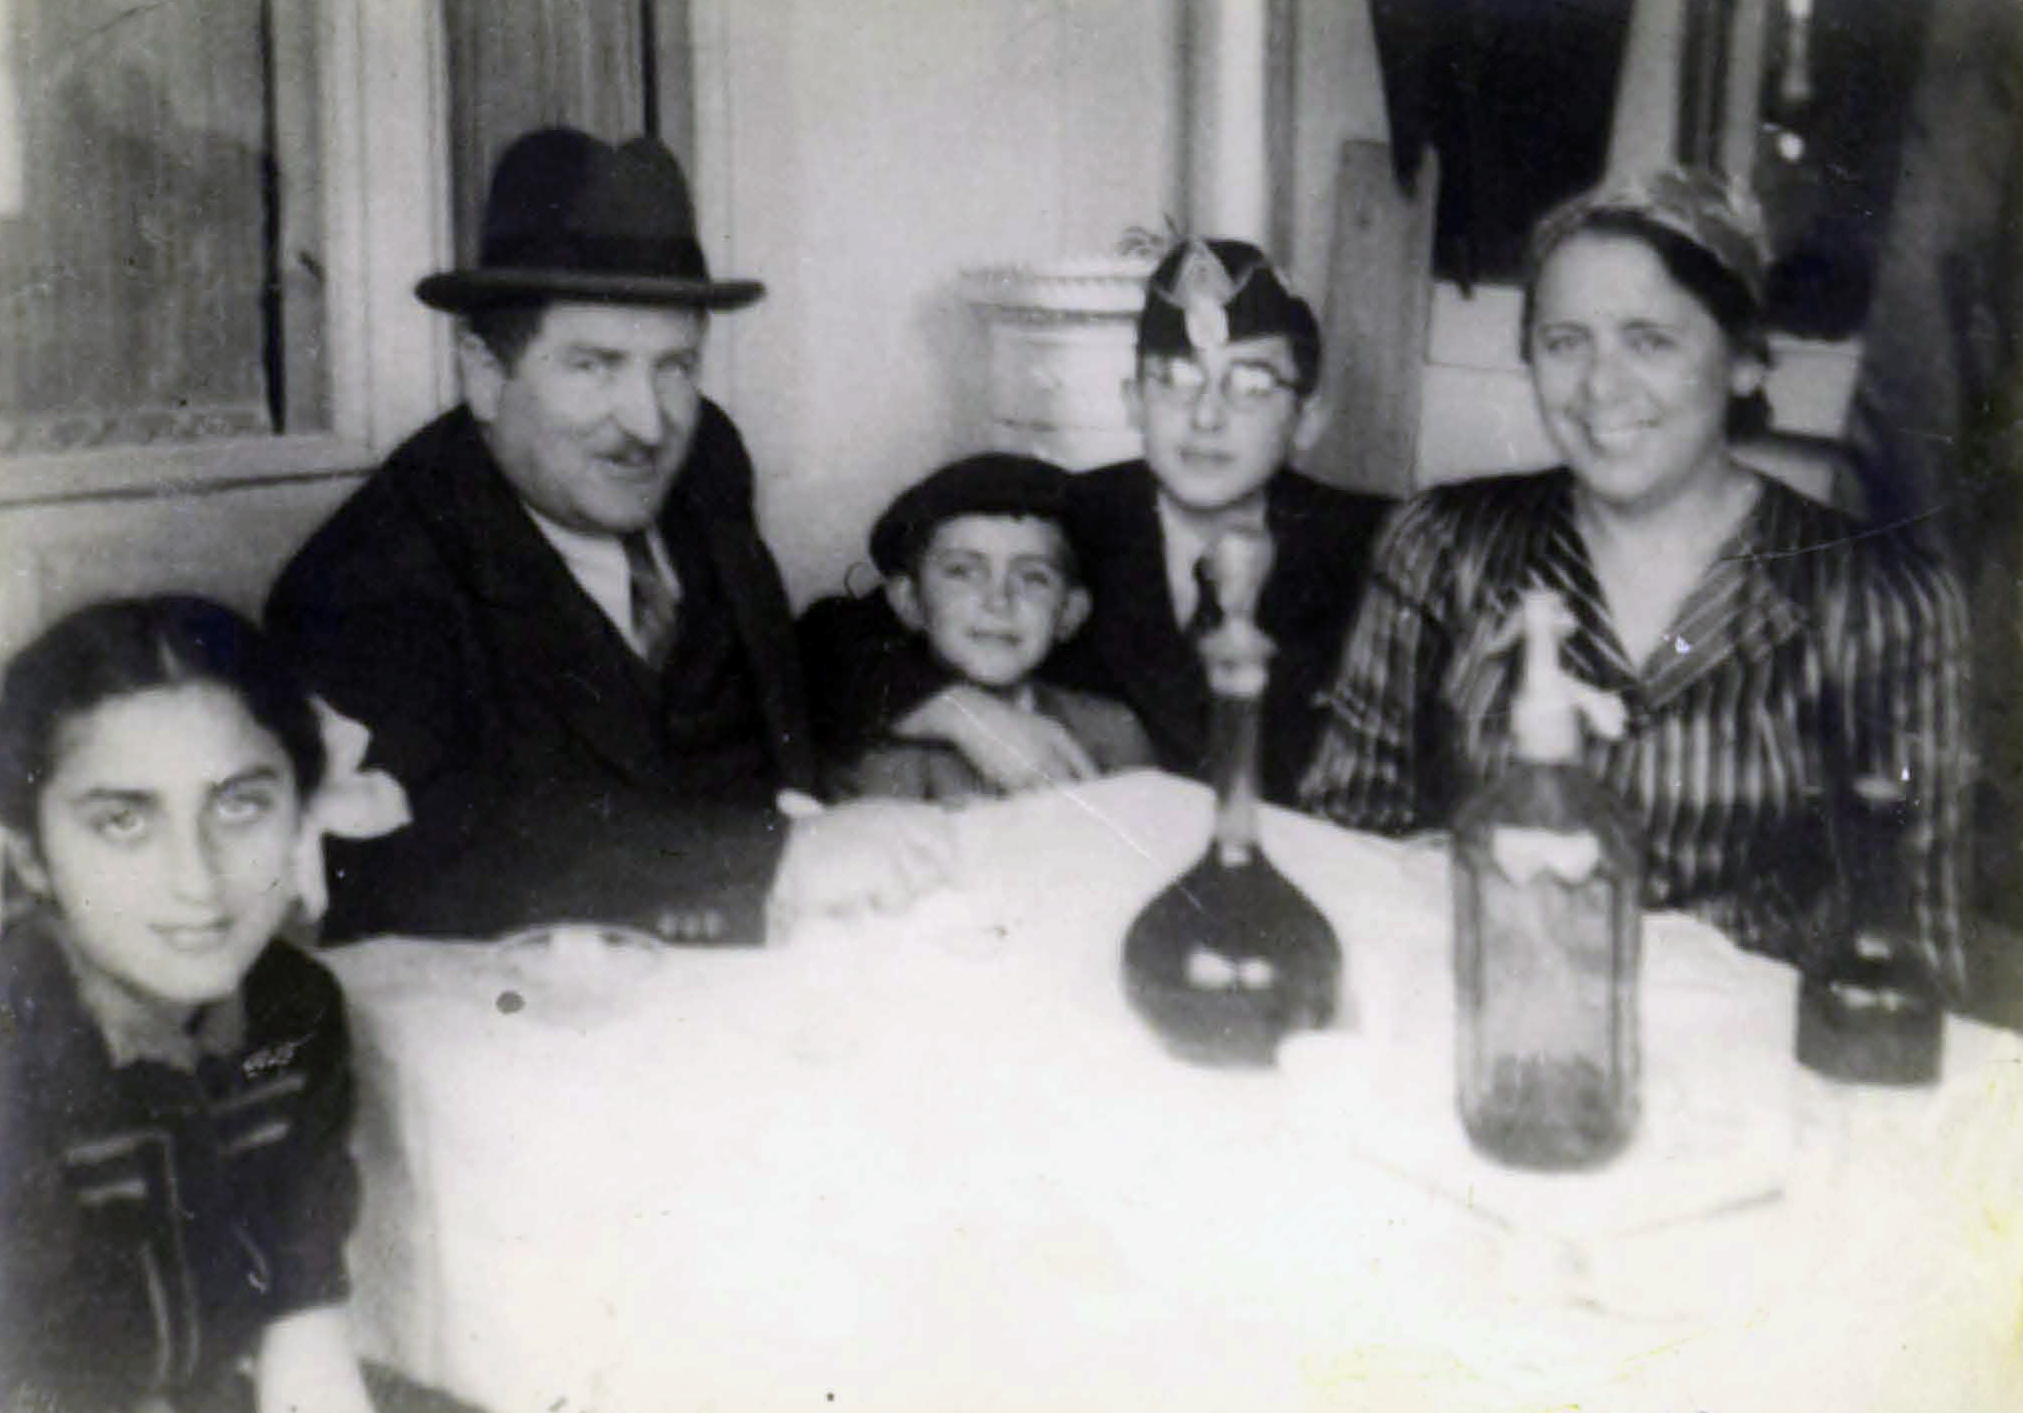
<point x="525" y="730"/>
<point x="1132" y="648"/>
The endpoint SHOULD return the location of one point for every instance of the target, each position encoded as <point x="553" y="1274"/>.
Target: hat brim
<point x="456" y="291"/>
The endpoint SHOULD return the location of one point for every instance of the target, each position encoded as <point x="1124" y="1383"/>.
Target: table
<point x="935" y="1161"/>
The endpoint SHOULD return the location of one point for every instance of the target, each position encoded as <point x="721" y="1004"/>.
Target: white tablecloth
<point x="935" y="1161"/>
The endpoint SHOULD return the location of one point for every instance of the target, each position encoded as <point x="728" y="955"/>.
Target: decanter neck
<point x="1233" y="747"/>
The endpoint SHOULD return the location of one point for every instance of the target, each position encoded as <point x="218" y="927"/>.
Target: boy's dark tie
<point x="1207" y="615"/>
<point x="655" y="605"/>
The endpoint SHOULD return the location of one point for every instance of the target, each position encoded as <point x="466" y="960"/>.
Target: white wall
<point x="857" y="157"/>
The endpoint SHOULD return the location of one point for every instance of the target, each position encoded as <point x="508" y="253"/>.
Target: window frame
<point x="386" y="224"/>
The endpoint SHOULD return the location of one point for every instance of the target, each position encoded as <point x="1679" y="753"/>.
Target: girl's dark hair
<point x="1696" y="270"/>
<point x="123" y="646"/>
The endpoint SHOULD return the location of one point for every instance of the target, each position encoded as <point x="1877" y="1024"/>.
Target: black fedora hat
<point x="571" y="217"/>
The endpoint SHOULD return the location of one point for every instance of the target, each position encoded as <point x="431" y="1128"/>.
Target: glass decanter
<point x="1870" y="1009"/>
<point x="1231" y="957"/>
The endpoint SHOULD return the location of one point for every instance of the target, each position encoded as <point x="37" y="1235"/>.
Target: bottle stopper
<point x="1236" y="652"/>
<point x="1551" y="704"/>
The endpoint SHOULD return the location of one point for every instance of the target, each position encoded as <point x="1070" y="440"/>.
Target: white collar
<point x="596" y="561"/>
<point x="1185" y="538"/>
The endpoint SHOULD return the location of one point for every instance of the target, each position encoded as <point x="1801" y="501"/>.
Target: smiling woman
<point x="1780" y="665"/>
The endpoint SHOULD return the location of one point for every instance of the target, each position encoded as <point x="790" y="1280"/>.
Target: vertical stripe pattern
<point x="1813" y="654"/>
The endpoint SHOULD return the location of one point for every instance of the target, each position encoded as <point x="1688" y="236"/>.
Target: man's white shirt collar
<point x="597" y="563"/>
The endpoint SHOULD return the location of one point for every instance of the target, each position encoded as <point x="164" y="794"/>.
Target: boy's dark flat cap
<point x="989" y="483"/>
<point x="569" y="216"/>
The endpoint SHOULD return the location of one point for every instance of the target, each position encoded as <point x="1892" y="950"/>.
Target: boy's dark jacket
<point x="1132" y="648"/>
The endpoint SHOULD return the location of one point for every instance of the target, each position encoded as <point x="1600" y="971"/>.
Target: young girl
<point x="174" y="1083"/>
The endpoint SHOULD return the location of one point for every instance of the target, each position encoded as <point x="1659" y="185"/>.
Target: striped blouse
<point x="1812" y="655"/>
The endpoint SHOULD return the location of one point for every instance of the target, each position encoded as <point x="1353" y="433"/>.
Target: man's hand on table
<point x="1013" y="749"/>
<point x="873" y="855"/>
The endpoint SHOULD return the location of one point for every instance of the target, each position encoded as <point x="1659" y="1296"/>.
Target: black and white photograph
<point x="1011" y="706"/>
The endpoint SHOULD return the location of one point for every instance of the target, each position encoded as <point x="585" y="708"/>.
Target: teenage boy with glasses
<point x="1224" y="393"/>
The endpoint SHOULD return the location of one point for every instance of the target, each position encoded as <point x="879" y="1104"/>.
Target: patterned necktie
<point x="655" y="605"/>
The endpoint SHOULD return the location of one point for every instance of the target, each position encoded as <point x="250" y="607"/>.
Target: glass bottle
<point x="1547" y="872"/>
<point x="1231" y="957"/>
<point x="1869" y="1009"/>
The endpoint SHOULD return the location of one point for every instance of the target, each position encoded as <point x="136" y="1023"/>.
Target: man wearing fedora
<point x="552" y="607"/>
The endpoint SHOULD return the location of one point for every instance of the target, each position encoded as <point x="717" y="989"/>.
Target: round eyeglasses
<point x="1246" y="384"/>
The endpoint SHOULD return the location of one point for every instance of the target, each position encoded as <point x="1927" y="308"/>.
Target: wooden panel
<point x="1380" y="282"/>
<point x="226" y="544"/>
<point x="1338" y="94"/>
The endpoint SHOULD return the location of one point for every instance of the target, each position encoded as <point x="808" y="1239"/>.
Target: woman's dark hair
<point x="1696" y="270"/>
<point x="123" y="646"/>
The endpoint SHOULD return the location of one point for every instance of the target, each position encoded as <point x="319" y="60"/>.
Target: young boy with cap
<point x="1228" y="365"/>
<point x="981" y="567"/>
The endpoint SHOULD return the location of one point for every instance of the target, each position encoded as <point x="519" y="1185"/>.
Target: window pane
<point x="160" y="237"/>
